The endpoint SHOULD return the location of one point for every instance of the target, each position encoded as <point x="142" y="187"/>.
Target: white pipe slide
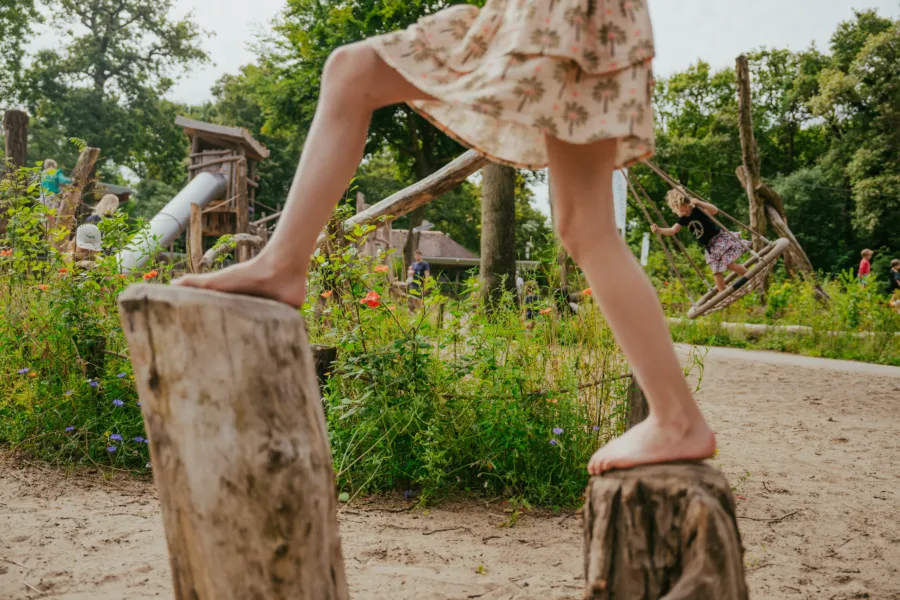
<point x="171" y="221"/>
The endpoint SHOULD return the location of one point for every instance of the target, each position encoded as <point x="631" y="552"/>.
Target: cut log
<point x="71" y="196"/>
<point x="238" y="444"/>
<point x="662" y="531"/>
<point x="15" y="128"/>
<point x="418" y="194"/>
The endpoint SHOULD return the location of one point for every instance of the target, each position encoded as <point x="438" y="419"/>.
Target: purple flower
<point x="118" y="402"/>
<point x="595" y="428"/>
<point x="121" y="375"/>
<point x="70" y="428"/>
<point x="553" y="442"/>
<point x="116" y="437"/>
<point x="69" y="393"/>
<point x="557" y="431"/>
<point x="94" y="384"/>
<point x="23" y="371"/>
<point x="138" y="403"/>
<point x="147" y="442"/>
<point x="139" y="440"/>
<point x="110" y="448"/>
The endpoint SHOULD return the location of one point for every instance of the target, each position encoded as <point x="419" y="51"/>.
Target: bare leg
<point x="356" y="81"/>
<point x="737" y="268"/>
<point x="582" y="192"/>
<point x="720" y="281"/>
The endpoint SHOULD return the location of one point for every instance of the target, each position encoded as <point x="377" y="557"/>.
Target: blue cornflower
<point x="69" y="393"/>
<point x="557" y="431"/>
<point x="139" y="440"/>
<point x="116" y="437"/>
<point x="94" y="384"/>
<point x="138" y="403"/>
<point x="118" y="402"/>
<point x="23" y="371"/>
<point x="121" y="375"/>
<point x="595" y="428"/>
<point x="111" y="449"/>
<point x="70" y="428"/>
<point x="553" y="442"/>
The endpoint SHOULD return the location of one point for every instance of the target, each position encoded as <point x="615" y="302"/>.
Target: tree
<point x="16" y="19"/>
<point x="117" y="58"/>
<point x="498" y="232"/>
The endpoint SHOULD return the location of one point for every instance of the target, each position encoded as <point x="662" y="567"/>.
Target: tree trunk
<point x="71" y="196"/>
<point x="412" y="238"/>
<point x="238" y="444"/>
<point x="498" y="232"/>
<point x="15" y="127"/>
<point x="662" y="531"/>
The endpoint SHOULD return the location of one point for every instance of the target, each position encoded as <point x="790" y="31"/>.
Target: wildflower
<point x="116" y="437"/>
<point x="63" y="271"/>
<point x="148" y="465"/>
<point x="139" y="404"/>
<point x="546" y="311"/>
<point x="372" y="300"/>
<point x="391" y="307"/>
<point x="557" y="431"/>
<point x="552" y="400"/>
<point x="121" y="375"/>
<point x="139" y="440"/>
<point x="327" y="294"/>
<point x="118" y="402"/>
<point x="69" y="393"/>
<point x="589" y="292"/>
<point x="23" y="371"/>
<point x="123" y="276"/>
<point x="43" y="287"/>
<point x="94" y="384"/>
<point x="554" y="442"/>
<point x="150" y="275"/>
<point x="110" y="448"/>
<point x="595" y="428"/>
<point x="32" y="374"/>
<point x="6" y="252"/>
<point x="147" y="442"/>
<point x="70" y="428"/>
<point x="382" y="269"/>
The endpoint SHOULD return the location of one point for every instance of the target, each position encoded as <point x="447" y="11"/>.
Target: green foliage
<point x="17" y="18"/>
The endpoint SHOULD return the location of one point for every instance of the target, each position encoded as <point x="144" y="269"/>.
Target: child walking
<point x="865" y="267"/>
<point x="528" y="84"/>
<point x="723" y="248"/>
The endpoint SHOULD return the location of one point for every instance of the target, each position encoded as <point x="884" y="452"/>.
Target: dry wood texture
<point x="195" y="238"/>
<point x="418" y="194"/>
<point x="498" y="231"/>
<point x="238" y="443"/>
<point x="662" y="532"/>
<point x="15" y="128"/>
<point x="71" y="196"/>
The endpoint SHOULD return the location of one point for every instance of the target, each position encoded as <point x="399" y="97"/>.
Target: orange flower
<point x="382" y="269"/>
<point x="327" y="294"/>
<point x="589" y="292"/>
<point x="391" y="307"/>
<point x="372" y="300"/>
<point x="546" y="311"/>
<point x="63" y="271"/>
<point x="32" y="374"/>
<point x="5" y="252"/>
<point x="123" y="276"/>
<point x="552" y="400"/>
<point x="43" y="287"/>
<point x="150" y="275"/>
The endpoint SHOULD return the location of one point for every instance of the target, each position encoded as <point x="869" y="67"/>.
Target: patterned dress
<point x="505" y="76"/>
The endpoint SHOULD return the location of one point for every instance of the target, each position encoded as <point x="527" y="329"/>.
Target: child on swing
<point x="723" y="248"/>
<point x="487" y="78"/>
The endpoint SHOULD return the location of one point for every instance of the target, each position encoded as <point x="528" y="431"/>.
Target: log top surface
<point x="687" y="472"/>
<point x="139" y="293"/>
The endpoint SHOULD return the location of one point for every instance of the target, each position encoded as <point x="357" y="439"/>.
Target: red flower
<point x="589" y="292"/>
<point x="546" y="311"/>
<point x="327" y="294"/>
<point x="150" y="275"/>
<point x="43" y="287"/>
<point x="63" y="271"/>
<point x="5" y="252"/>
<point x="372" y="300"/>
<point x="382" y="269"/>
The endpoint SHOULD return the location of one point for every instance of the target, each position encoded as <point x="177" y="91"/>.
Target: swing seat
<point x="758" y="268"/>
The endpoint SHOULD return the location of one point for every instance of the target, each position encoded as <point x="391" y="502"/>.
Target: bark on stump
<point x="662" y="532"/>
<point x="238" y="444"/>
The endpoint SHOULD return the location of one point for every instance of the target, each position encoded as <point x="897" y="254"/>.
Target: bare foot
<point x="253" y="278"/>
<point x="652" y="442"/>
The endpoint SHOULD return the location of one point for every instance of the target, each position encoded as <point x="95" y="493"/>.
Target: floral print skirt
<point x="505" y="76"/>
<point x="725" y="248"/>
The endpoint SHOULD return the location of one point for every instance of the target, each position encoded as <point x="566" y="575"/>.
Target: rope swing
<point x="759" y="265"/>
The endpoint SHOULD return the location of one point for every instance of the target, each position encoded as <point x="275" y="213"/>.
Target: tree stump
<point x="662" y="532"/>
<point x="238" y="444"/>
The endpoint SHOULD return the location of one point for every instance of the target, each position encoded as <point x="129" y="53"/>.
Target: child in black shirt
<point x="723" y="248"/>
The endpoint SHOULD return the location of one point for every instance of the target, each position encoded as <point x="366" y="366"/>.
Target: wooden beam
<point x="15" y="127"/>
<point x="662" y="531"/>
<point x="418" y="194"/>
<point x="238" y="444"/>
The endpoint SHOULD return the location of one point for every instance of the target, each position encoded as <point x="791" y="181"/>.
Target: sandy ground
<point x="811" y="447"/>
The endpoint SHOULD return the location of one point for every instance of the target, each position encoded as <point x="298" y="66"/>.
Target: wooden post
<point x="15" y="127"/>
<point x="243" y="207"/>
<point x="71" y="196"/>
<point x="195" y="238"/>
<point x="238" y="444"/>
<point x="498" y="232"/>
<point x="662" y="531"/>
